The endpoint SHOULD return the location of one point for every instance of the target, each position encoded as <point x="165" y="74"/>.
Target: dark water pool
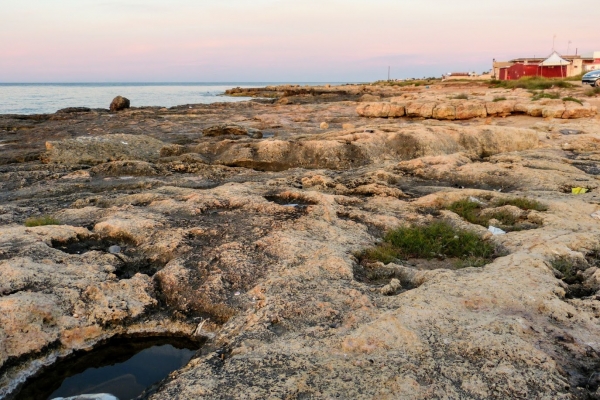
<point x="123" y="368"/>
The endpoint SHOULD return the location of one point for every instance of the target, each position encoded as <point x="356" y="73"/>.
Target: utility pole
<point x="568" y="47"/>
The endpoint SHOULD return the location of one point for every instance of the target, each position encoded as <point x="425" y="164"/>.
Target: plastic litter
<point x="570" y="131"/>
<point x="579" y="190"/>
<point x="114" y="249"/>
<point x="475" y="200"/>
<point x="595" y="215"/>
<point x="496" y="231"/>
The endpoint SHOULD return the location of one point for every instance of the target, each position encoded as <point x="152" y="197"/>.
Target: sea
<point x="45" y="98"/>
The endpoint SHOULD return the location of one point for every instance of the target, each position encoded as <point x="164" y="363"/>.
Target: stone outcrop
<point x="381" y="110"/>
<point x="226" y="129"/>
<point x="256" y="244"/>
<point x="100" y="149"/>
<point x="468" y="109"/>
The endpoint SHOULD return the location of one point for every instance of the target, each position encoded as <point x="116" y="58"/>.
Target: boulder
<point x="501" y="108"/>
<point x="553" y="111"/>
<point x="444" y="111"/>
<point x="420" y="109"/>
<point x="576" y="110"/>
<point x="380" y="110"/>
<point x="470" y="109"/>
<point x="119" y="103"/>
<point x="533" y="109"/>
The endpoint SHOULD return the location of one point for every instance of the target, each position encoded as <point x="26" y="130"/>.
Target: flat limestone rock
<point x="93" y="150"/>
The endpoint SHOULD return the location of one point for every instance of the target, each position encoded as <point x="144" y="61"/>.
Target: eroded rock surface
<point x="251" y="243"/>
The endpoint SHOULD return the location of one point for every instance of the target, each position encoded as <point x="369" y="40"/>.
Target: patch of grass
<point x="438" y="239"/>
<point x="499" y="98"/>
<point x="471" y="211"/>
<point x="40" y="221"/>
<point x="544" y="95"/>
<point x="471" y="262"/>
<point x="462" y="96"/>
<point x="532" y="83"/>
<point x="523" y="203"/>
<point x="567" y="268"/>
<point x="573" y="99"/>
<point x="575" y="78"/>
<point x="384" y="252"/>
<point x="592" y="92"/>
<point x="408" y="82"/>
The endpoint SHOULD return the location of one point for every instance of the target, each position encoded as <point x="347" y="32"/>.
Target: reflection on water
<point x="124" y="369"/>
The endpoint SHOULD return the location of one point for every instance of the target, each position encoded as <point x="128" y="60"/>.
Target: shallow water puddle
<point x="124" y="369"/>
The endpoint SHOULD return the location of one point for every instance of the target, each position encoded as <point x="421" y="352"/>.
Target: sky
<point x="280" y="40"/>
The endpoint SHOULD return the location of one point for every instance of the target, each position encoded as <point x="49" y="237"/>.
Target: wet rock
<point x="119" y="103"/>
<point x="97" y="396"/>
<point x="70" y="110"/>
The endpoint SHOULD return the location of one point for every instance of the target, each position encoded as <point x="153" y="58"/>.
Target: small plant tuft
<point x="592" y="92"/>
<point x="462" y="96"/>
<point x="523" y="203"/>
<point x="471" y="211"/>
<point x="544" y="95"/>
<point x="41" y="221"/>
<point x="499" y="98"/>
<point x="573" y="99"/>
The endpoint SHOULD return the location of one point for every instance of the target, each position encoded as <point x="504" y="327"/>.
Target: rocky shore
<point x="242" y="224"/>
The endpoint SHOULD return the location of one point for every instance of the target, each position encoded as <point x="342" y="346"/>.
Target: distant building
<point x="554" y="66"/>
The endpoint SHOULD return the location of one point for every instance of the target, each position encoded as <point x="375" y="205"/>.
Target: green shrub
<point x="462" y="96"/>
<point x="592" y="92"/>
<point x="40" y="221"/>
<point x="522" y="202"/>
<point x="573" y="99"/>
<point x="471" y="211"/>
<point x="500" y="98"/>
<point x="532" y="83"/>
<point x="543" y="95"/>
<point x="567" y="267"/>
<point x="438" y="239"/>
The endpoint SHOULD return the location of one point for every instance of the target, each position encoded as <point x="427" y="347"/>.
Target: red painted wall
<point x="518" y="71"/>
<point x="553" y="72"/>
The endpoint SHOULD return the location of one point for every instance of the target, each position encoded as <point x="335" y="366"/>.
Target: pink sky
<point x="279" y="40"/>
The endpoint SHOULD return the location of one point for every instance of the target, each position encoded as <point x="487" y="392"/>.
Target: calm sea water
<point x="41" y="98"/>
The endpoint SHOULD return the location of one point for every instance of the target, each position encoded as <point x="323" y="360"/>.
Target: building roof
<point x="554" y="60"/>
